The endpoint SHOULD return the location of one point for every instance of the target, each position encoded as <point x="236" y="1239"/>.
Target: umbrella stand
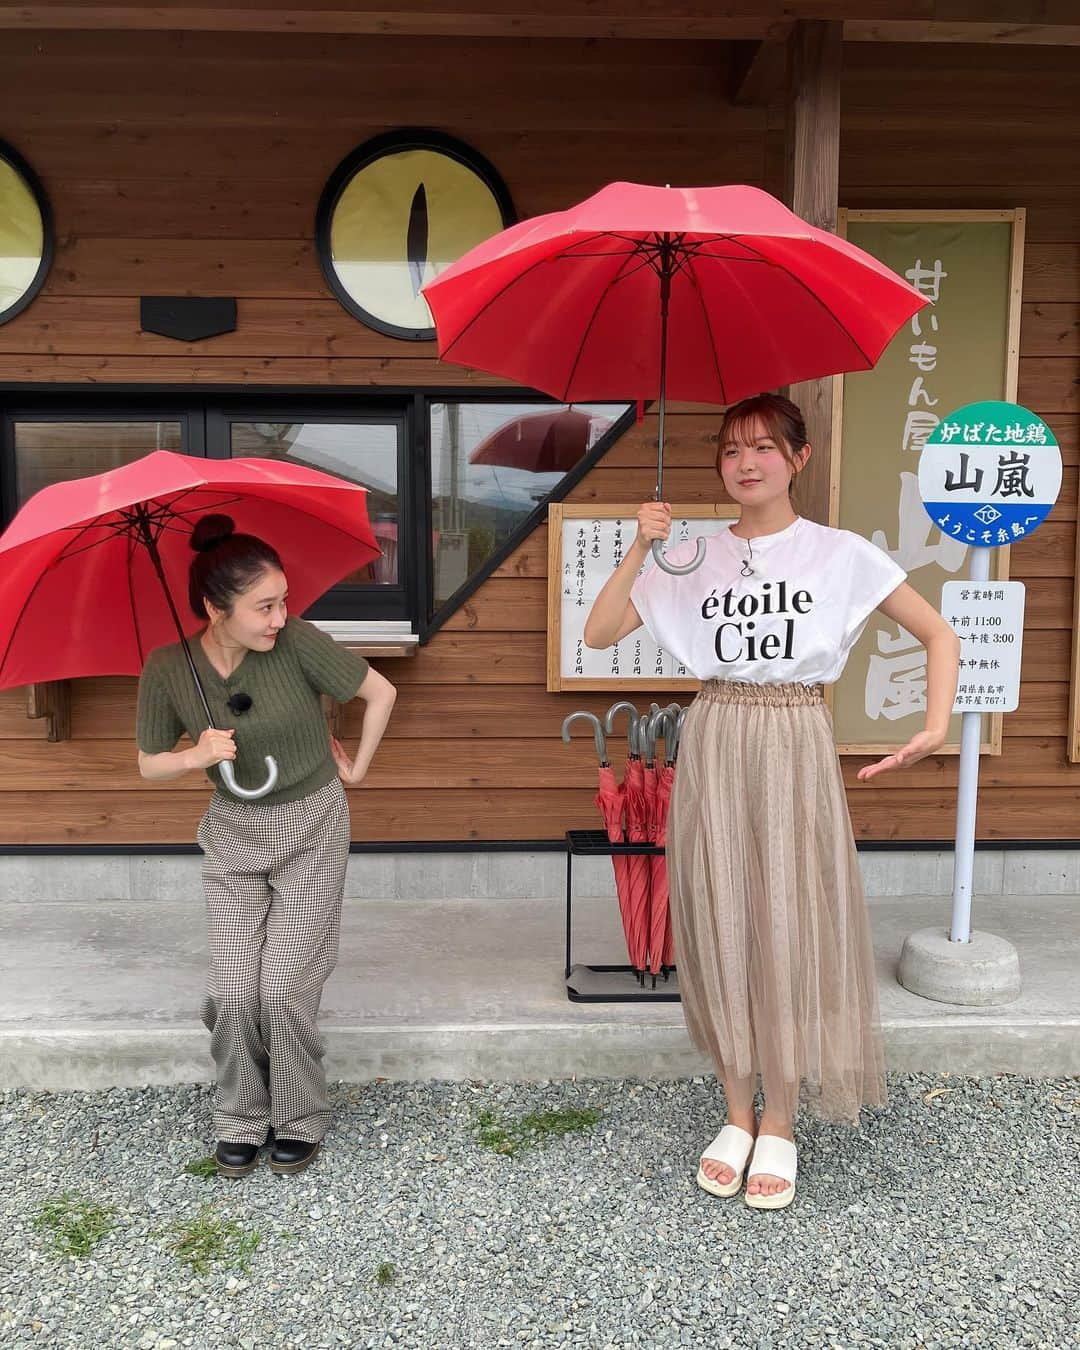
<point x="142" y="522"/>
<point x="667" y="252"/>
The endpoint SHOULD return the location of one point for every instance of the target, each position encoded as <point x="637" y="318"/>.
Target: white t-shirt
<point x="793" y="621"/>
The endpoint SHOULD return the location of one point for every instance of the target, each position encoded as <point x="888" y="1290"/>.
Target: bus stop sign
<point x="990" y="473"/>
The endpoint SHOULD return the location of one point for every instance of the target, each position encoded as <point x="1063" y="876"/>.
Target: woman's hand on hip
<point x="347" y="768"/>
<point x="921" y="745"/>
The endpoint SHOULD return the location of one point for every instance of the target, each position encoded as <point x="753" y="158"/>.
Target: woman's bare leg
<point x="740" y="1111"/>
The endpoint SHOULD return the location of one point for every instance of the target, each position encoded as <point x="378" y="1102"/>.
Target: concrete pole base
<point x="978" y="973"/>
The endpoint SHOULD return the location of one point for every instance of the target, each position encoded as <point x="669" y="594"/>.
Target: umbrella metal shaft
<point x="150" y="543"/>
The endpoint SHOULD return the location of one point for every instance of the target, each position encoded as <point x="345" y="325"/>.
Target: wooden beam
<point x="1014" y="34"/>
<point x="648" y="20"/>
<point x="51" y="701"/>
<point x="812" y="186"/>
<point x="1023" y="21"/>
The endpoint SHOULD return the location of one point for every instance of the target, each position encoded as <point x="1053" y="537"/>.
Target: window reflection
<point x="360" y="452"/>
<point x="54" y="452"/>
<point x="491" y="465"/>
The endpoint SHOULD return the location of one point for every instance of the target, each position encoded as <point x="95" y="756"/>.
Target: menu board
<point x="585" y="545"/>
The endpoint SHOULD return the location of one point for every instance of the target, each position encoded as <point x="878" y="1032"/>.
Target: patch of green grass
<point x="209" y="1240"/>
<point x="509" y="1136"/>
<point x="74" y="1226"/>
<point x="202" y="1167"/>
<point x="385" y="1273"/>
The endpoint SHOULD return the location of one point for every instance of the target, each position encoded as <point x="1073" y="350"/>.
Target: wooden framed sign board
<point x="585" y="545"/>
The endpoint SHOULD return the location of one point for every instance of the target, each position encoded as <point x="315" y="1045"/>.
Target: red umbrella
<point x="662" y="947"/>
<point x="610" y="803"/>
<point x="659" y="779"/>
<point x="637" y="832"/>
<point x="86" y="563"/>
<point x="706" y="294"/>
<point x="547" y="442"/>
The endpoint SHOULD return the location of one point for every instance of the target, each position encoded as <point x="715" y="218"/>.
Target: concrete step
<point x="106" y="993"/>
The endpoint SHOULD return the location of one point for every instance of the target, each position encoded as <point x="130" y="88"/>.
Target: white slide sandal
<point x="775" y="1157"/>
<point x="732" y="1147"/>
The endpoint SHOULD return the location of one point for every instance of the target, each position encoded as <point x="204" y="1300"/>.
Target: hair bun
<point x="211" y="531"/>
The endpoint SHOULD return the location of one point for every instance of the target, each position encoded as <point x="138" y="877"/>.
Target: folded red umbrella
<point x="611" y="803"/>
<point x="661" y="946"/>
<point x="637" y="832"/>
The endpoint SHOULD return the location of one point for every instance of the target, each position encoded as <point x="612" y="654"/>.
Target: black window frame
<point x="343" y="603"/>
<point x="205" y="411"/>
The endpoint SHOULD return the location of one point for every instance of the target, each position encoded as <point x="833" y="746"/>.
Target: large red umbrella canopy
<point x="570" y="303"/>
<point x="81" y="595"/>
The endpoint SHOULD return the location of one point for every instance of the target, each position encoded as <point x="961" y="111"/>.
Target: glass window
<point x="25" y="235"/>
<point x="53" y="452"/>
<point x="492" y="464"/>
<point x="365" y="452"/>
<point x="395" y="213"/>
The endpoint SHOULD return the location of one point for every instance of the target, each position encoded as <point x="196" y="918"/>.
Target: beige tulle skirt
<point x="772" y="937"/>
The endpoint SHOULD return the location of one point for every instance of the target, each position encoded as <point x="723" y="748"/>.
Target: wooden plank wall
<point x="192" y="163"/>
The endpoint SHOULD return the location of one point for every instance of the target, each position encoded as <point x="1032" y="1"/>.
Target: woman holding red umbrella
<point x="274" y="868"/>
<point x="771" y="931"/>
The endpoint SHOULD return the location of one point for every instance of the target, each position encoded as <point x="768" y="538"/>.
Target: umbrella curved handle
<point x="663" y="726"/>
<point x="678" y="569"/>
<point x="652" y="732"/>
<point x="249" y="794"/>
<point x="598" y="731"/>
<point x="633" y="731"/>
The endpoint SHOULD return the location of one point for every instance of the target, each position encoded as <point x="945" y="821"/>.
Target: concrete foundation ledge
<point x="480" y="875"/>
<point x="96" y="1059"/>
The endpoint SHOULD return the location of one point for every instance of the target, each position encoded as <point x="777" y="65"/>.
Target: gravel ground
<point x="943" y="1222"/>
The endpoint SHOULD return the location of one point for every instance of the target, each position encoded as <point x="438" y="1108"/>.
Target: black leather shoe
<point x="235" y="1160"/>
<point x="292" y="1155"/>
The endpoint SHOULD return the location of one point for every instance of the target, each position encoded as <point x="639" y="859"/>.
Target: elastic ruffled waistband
<point x="766" y="695"/>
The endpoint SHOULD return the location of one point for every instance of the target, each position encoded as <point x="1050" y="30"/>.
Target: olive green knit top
<point x="285" y="718"/>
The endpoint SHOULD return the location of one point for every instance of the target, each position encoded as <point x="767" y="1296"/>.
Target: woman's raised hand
<point x="654" y="522"/>
<point x="214" y="745"/>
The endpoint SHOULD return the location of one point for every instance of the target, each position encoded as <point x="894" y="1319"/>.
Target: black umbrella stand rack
<point x="610" y="984"/>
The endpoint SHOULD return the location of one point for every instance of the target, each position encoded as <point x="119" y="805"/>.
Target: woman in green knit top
<point x="274" y="867"/>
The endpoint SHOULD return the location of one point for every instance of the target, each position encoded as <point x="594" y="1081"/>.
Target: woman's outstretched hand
<point x="346" y="765"/>
<point x="917" y="748"/>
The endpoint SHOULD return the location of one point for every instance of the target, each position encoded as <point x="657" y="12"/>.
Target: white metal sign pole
<point x="968" y="793"/>
<point x="989" y="473"/>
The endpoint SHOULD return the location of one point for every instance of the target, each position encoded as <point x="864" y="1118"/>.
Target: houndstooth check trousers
<point x="273" y="878"/>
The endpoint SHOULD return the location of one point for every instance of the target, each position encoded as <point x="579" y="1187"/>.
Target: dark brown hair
<point x="782" y="419"/>
<point x="225" y="564"/>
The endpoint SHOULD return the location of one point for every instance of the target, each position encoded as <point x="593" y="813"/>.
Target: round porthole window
<point x="398" y="211"/>
<point x="25" y="234"/>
